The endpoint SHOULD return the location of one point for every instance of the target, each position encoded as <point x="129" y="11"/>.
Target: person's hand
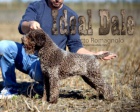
<point x="108" y="57"/>
<point x="34" y="25"/>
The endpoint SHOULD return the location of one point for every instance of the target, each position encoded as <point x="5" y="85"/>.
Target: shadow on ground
<point x="30" y="89"/>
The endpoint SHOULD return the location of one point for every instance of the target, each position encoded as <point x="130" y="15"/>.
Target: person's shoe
<point x="8" y="93"/>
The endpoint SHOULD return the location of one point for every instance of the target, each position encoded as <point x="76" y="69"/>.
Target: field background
<point x="122" y="73"/>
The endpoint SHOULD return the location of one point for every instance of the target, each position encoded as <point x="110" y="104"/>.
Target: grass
<point x="122" y="73"/>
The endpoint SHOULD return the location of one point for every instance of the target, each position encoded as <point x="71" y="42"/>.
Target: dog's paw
<point x="53" y="100"/>
<point x="108" y="94"/>
<point x="110" y="98"/>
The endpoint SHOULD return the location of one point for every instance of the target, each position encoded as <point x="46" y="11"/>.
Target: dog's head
<point x="34" y="40"/>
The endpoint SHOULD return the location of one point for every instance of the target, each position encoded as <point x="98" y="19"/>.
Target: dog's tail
<point x="101" y="56"/>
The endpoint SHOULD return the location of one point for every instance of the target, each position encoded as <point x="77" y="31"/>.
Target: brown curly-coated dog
<point x="57" y="64"/>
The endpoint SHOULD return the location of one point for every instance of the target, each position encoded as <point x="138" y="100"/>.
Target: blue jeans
<point x="13" y="55"/>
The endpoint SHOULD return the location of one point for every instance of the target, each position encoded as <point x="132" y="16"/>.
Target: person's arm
<point x="29" y="19"/>
<point x="85" y="51"/>
<point x="75" y="45"/>
<point x="26" y="26"/>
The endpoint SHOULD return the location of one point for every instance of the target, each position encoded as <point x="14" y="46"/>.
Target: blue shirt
<point x="40" y="11"/>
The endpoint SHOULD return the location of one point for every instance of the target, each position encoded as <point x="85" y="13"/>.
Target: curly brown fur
<point x="31" y="44"/>
<point x="57" y="64"/>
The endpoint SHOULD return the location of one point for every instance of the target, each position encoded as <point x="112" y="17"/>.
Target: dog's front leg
<point x="46" y="88"/>
<point x="54" y="89"/>
<point x="44" y="93"/>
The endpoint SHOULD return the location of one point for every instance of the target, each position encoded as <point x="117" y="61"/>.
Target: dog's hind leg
<point x="98" y="84"/>
<point x="102" y="87"/>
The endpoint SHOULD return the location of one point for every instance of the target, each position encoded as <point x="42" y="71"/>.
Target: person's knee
<point x="7" y="47"/>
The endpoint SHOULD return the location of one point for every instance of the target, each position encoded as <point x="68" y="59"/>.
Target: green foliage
<point x="36" y="96"/>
